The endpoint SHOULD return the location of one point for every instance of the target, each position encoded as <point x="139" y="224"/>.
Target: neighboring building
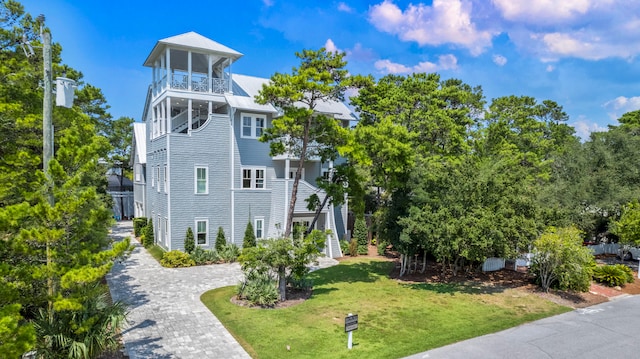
<point x="197" y="160"/>
<point x="121" y="190"/>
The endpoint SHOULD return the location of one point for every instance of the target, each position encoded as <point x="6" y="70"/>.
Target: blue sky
<point x="579" y="53"/>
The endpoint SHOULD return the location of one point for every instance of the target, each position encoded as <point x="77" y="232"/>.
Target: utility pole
<point x="47" y="122"/>
<point x="47" y="144"/>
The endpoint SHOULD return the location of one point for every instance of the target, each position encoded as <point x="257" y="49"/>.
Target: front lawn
<point x="396" y="319"/>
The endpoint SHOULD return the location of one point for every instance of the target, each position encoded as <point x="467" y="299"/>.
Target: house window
<point x="158" y="177"/>
<point x="153" y="177"/>
<point x="293" y="171"/>
<point x="202" y="181"/>
<point x="259" y="228"/>
<point x="166" y="231"/>
<point x="253" y="178"/>
<point x="202" y="231"/>
<point x="253" y="125"/>
<point x="165" y="179"/>
<point x="138" y="171"/>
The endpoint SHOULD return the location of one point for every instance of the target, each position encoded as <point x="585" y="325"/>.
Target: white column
<point x="168" y="68"/>
<point x="167" y="111"/>
<point x="230" y="77"/>
<point x="189" y="70"/>
<point x="210" y="75"/>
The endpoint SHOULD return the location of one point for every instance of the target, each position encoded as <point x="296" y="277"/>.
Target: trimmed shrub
<point x="229" y="253"/>
<point x="353" y="247"/>
<point x="189" y="242"/>
<point x="613" y="275"/>
<point x="203" y="256"/>
<point x="363" y="250"/>
<point x="176" y="258"/>
<point x="249" y="237"/>
<point x="221" y="240"/>
<point x="148" y="235"/>
<point x="259" y="289"/>
<point x="138" y="225"/>
<point x="360" y="232"/>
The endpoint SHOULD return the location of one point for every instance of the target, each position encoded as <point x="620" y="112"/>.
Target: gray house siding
<point x="206" y="147"/>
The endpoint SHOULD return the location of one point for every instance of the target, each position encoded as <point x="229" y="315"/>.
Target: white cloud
<point x="499" y="60"/>
<point x="584" y="127"/>
<point x="330" y="46"/>
<point x="344" y="8"/>
<point x="267" y="3"/>
<point x="542" y="11"/>
<point x="621" y="105"/>
<point x="445" y="22"/>
<point x="359" y="53"/>
<point x="550" y="68"/>
<point x="445" y="62"/>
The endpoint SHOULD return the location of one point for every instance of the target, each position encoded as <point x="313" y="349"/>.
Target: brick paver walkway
<point x="166" y="318"/>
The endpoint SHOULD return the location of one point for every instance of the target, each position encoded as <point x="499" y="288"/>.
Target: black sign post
<point x="350" y="324"/>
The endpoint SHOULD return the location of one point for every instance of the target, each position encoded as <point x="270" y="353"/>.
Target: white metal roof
<point x="140" y="141"/>
<point x="252" y="85"/>
<point x="191" y="40"/>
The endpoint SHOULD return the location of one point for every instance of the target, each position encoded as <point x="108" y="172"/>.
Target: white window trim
<point x="166" y="179"/>
<point x="195" y="179"/>
<point x="195" y="225"/>
<point x="153" y="177"/>
<point x="293" y="171"/>
<point x="253" y="170"/>
<point x="255" y="227"/>
<point x="166" y="231"/>
<point x="158" y="177"/>
<point x="253" y="117"/>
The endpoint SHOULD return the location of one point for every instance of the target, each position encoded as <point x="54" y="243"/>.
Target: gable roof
<point x="191" y="40"/>
<point x="247" y="87"/>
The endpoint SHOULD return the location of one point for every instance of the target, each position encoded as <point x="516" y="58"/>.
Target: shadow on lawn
<point x="367" y="272"/>
<point x="453" y="288"/>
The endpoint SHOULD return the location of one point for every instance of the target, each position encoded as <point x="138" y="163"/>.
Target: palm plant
<point x="84" y="332"/>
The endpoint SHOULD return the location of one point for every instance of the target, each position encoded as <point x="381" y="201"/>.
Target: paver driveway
<point x="166" y="317"/>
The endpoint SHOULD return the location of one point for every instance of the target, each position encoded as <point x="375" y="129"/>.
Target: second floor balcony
<point x="197" y="82"/>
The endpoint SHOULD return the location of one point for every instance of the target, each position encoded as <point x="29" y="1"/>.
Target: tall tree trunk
<point x="296" y="181"/>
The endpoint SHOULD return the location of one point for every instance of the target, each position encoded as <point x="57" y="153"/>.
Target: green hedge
<point x="138" y="225"/>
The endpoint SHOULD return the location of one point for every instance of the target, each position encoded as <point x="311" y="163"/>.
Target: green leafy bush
<point x="353" y="248"/>
<point x="203" y="256"/>
<point x="148" y="234"/>
<point x="363" y="250"/>
<point x="259" y="289"/>
<point x="373" y="241"/>
<point x="229" y="253"/>
<point x="189" y="242"/>
<point x="382" y="248"/>
<point x="613" y="275"/>
<point x="344" y="247"/>
<point x="138" y="225"/>
<point x="176" y="258"/>
<point x="361" y="233"/>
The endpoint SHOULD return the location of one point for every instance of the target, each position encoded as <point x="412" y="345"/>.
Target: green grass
<point x="396" y="319"/>
<point x="156" y="251"/>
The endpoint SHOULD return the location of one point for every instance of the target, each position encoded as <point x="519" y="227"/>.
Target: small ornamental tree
<point x="221" y="240"/>
<point x="360" y="234"/>
<point x="189" y="243"/>
<point x="559" y="258"/>
<point x="249" y="237"/>
<point x="148" y="234"/>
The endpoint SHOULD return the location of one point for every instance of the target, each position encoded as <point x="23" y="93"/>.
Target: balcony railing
<point x="199" y="83"/>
